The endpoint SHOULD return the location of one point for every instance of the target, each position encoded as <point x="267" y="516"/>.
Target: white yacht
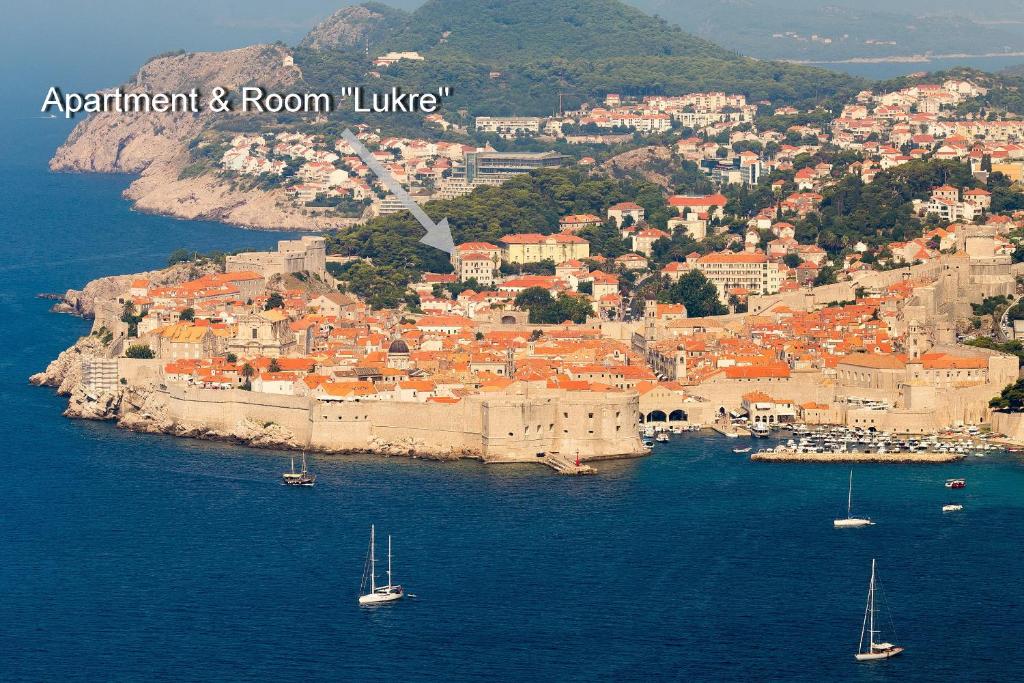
<point x="873" y="650"/>
<point x="377" y="594"/>
<point x="850" y="521"/>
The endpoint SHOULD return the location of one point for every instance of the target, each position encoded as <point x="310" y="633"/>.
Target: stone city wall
<point x="511" y="428"/>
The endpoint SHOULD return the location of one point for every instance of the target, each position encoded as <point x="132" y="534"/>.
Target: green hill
<point x="509" y="31"/>
<point x="585" y="48"/>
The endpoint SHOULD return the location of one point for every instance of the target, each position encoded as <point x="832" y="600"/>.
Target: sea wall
<point x="504" y="428"/>
<point x="1010" y="424"/>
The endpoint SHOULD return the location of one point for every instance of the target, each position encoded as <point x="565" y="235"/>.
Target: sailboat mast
<point x="389" y="560"/>
<point x="871" y="608"/>
<point x="373" y="564"/>
<point x="849" y="496"/>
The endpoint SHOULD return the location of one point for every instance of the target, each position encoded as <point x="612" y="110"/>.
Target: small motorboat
<point x="956" y="483"/>
<point x="662" y="437"/>
<point x="647" y="443"/>
<point x="953" y="507"/>
<point x="741" y="450"/>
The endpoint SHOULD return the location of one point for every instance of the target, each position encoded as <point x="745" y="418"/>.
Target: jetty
<point x="849" y="456"/>
<point x="563" y="464"/>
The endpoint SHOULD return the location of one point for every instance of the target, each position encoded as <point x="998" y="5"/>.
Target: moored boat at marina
<point x="759" y="429"/>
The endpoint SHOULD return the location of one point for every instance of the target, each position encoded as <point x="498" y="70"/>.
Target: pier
<point x="835" y="456"/>
<point x="563" y="464"/>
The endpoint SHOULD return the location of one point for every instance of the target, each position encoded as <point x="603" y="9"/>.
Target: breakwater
<point x="833" y="457"/>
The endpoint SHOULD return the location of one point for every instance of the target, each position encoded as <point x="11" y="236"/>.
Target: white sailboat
<point x="377" y="594"/>
<point x="850" y="521"/>
<point x="873" y="650"/>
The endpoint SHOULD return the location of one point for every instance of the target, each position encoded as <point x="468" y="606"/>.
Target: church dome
<point x="398" y="346"/>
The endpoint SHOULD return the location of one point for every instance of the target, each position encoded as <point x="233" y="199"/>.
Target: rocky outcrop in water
<point x="65" y="372"/>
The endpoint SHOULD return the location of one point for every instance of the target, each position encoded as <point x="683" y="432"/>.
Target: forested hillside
<point x="581" y="48"/>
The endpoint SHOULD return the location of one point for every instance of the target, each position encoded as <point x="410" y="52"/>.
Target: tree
<point x="139" y="351"/>
<point x="696" y="293"/>
<point x="274" y="366"/>
<point x="1011" y="398"/>
<point x="546" y="310"/>
<point x="826" y="276"/>
<point x="792" y="260"/>
<point x="274" y="301"/>
<point x="231" y="358"/>
<point x="247" y="372"/>
<point x="189" y="314"/>
<point x="179" y="256"/>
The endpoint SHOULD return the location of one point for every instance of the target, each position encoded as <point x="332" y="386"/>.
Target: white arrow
<point x="439" y="235"/>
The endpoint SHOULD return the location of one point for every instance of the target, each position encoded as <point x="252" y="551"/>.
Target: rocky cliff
<point x="155" y="146"/>
<point x="355" y="27"/>
<point x="110" y="142"/>
<point x="83" y="301"/>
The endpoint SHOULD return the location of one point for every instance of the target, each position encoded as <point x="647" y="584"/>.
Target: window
<point x="254" y="333"/>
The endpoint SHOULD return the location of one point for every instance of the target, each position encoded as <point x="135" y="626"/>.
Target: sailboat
<point x="850" y="522"/>
<point x="377" y="594"/>
<point x="873" y="650"/>
<point x="302" y="478"/>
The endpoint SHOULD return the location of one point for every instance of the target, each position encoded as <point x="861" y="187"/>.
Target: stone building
<point x="262" y="334"/>
<point x="307" y="254"/>
<point x="533" y="247"/>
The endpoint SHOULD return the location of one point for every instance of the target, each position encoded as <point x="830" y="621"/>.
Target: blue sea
<point x="127" y="557"/>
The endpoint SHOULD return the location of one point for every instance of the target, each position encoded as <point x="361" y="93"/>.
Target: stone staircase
<point x="563" y="464"/>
